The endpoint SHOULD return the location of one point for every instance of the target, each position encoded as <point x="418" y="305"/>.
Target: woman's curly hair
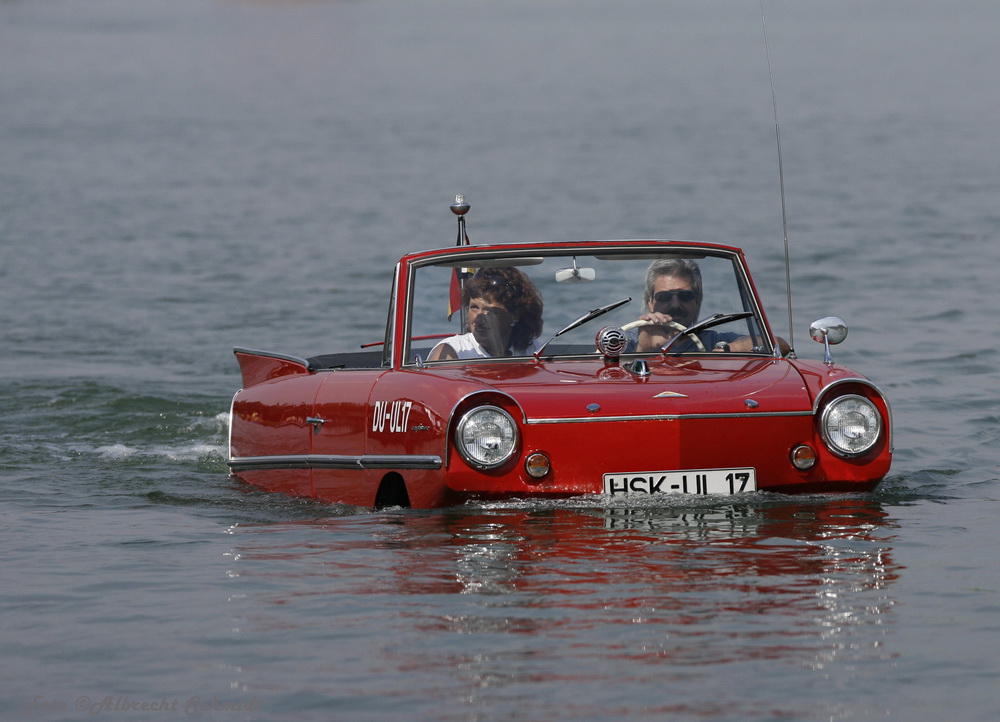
<point x="517" y="293"/>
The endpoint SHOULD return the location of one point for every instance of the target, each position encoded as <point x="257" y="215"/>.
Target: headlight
<point x="486" y="437"/>
<point x="850" y="425"/>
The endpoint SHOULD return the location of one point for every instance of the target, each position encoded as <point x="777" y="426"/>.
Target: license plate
<point x="688" y="481"/>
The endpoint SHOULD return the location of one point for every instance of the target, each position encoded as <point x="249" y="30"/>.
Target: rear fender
<point x="260" y="366"/>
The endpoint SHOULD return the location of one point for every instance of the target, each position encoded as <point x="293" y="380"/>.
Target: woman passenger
<point x="505" y="317"/>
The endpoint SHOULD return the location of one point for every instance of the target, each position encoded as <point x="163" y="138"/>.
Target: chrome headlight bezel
<point x="486" y="437"/>
<point x="851" y="425"/>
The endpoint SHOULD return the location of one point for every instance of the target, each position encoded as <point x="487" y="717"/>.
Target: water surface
<point x="182" y="177"/>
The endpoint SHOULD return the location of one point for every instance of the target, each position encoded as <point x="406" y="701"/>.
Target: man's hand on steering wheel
<point x="655" y="329"/>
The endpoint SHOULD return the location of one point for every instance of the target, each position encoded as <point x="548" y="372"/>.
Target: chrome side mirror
<point x="828" y="331"/>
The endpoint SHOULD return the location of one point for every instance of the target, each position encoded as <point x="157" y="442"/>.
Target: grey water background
<point x="179" y="177"/>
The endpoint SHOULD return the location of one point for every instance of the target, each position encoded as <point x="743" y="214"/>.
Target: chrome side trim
<point x="665" y="417"/>
<point x="327" y="461"/>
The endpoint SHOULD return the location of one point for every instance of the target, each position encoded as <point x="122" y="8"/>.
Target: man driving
<point x="673" y="295"/>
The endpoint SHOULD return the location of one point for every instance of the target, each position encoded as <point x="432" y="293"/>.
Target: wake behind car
<point x="628" y="368"/>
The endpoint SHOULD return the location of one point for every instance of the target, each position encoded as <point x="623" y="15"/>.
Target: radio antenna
<point x="781" y="187"/>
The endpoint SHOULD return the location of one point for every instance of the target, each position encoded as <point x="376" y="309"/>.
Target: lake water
<point x="178" y="177"/>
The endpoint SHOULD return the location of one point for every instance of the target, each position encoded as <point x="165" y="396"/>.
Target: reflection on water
<point x="806" y="584"/>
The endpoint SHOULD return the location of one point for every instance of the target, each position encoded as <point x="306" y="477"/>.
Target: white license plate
<point x="688" y="481"/>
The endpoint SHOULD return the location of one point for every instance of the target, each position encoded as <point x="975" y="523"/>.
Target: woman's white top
<point x="466" y="346"/>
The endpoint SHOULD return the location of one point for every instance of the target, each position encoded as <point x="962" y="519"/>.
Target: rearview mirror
<point x="575" y="274"/>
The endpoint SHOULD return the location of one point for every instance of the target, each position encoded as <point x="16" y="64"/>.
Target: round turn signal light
<point x="803" y="457"/>
<point x="537" y="465"/>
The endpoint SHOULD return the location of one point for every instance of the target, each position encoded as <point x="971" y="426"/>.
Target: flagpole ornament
<point x="460" y="207"/>
<point x="458" y="275"/>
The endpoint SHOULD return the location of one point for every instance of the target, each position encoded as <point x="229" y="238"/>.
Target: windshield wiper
<point x="590" y="316"/>
<point x="715" y="320"/>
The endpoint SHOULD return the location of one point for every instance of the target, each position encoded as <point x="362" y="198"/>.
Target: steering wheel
<point x="673" y="324"/>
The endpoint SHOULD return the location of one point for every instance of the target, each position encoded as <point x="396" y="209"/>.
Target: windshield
<point x="516" y="306"/>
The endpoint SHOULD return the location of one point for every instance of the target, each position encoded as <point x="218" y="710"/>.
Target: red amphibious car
<point x="545" y="370"/>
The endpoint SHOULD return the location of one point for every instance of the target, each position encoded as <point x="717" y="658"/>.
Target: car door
<point x="341" y="420"/>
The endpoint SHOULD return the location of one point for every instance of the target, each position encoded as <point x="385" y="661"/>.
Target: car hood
<point x="592" y="389"/>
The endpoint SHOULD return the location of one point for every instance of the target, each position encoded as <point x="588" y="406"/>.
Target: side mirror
<point x="828" y="331"/>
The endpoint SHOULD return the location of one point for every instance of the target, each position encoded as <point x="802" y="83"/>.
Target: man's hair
<point x="680" y="267"/>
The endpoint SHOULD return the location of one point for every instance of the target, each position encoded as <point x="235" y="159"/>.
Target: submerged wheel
<point x="392" y="492"/>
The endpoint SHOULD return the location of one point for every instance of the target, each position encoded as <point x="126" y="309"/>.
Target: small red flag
<point x="455" y="289"/>
<point x="454" y="294"/>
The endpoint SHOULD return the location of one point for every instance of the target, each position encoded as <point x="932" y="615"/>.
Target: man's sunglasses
<point x="684" y="296"/>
